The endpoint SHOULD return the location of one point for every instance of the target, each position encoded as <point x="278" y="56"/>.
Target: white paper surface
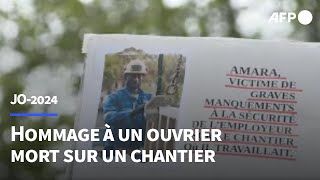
<point x="210" y="64"/>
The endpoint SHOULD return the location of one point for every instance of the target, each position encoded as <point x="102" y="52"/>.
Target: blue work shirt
<point x="117" y="113"/>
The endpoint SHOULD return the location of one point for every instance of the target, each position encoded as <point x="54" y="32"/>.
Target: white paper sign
<point x="262" y="95"/>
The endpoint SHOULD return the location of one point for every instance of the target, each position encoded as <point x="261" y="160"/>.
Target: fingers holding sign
<point x="160" y="100"/>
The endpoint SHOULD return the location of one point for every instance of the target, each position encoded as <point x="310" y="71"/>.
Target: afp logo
<point x="304" y="17"/>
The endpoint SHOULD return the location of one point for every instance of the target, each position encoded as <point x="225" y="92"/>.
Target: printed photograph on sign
<point x="139" y="91"/>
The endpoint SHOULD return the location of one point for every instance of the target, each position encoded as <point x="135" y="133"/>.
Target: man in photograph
<point x="124" y="109"/>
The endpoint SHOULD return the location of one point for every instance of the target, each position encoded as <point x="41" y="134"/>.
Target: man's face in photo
<point x="133" y="81"/>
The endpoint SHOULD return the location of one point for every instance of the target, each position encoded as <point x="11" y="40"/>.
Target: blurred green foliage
<point x="47" y="35"/>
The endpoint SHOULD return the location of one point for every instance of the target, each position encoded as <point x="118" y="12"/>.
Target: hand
<point x="159" y="100"/>
<point x="138" y="109"/>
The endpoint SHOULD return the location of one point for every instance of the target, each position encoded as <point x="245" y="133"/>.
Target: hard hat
<point x="135" y="67"/>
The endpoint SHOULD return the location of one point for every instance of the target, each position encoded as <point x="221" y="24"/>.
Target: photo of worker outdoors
<point x="139" y="91"/>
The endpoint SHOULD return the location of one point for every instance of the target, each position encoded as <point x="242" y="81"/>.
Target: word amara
<point x="123" y="135"/>
<point x="136" y="156"/>
<point x="252" y="71"/>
